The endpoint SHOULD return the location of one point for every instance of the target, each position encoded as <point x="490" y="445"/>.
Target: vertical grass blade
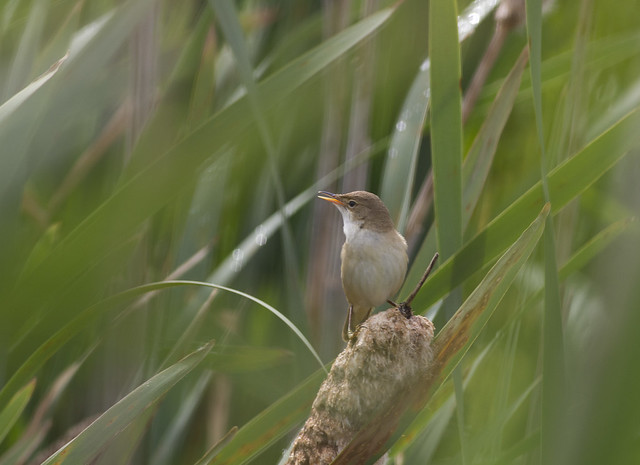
<point x="552" y="343"/>
<point x="446" y="152"/>
<point x="446" y="125"/>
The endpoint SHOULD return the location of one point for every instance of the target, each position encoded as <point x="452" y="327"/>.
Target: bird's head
<point x="361" y="210"/>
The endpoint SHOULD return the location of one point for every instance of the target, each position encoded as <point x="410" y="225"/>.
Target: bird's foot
<point x="353" y="334"/>
<point x="405" y="309"/>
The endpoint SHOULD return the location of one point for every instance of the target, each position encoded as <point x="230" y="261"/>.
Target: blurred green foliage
<point x="144" y="140"/>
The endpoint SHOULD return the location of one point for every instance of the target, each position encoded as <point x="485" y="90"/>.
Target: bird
<point x="374" y="255"/>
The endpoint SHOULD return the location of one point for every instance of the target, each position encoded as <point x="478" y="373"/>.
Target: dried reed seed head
<point x="389" y="354"/>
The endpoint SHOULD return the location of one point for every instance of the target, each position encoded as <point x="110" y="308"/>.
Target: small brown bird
<point x="374" y="255"/>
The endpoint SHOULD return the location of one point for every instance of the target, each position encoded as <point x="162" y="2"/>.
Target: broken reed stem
<point x="422" y="280"/>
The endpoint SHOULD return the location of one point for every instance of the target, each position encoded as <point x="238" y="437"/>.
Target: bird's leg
<point x="350" y="331"/>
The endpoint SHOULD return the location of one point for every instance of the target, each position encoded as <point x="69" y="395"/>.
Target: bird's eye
<point x="352" y="203"/>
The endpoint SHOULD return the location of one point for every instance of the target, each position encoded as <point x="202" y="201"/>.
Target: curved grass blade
<point x="14" y="114"/>
<point x="566" y="182"/>
<point x="90" y="442"/>
<point x="449" y="346"/>
<point x="12" y="411"/>
<point x="286" y="321"/>
<point x="30" y="367"/>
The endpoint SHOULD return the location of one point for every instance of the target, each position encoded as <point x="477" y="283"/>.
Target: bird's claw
<point x="403" y="307"/>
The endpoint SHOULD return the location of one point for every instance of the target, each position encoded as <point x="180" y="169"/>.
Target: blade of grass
<point x="12" y="411"/>
<point x="449" y="346"/>
<point x="594" y="246"/>
<point x="217" y="447"/>
<point x="446" y="156"/>
<point x="90" y="442"/>
<point x="13" y="114"/>
<point x="40" y="420"/>
<point x="552" y="339"/>
<point x="446" y="125"/>
<point x="25" y="55"/>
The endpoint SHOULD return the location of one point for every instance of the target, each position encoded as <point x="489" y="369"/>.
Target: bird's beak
<point x="324" y="195"/>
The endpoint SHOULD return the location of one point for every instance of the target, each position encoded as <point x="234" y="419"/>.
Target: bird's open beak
<point x="324" y="195"/>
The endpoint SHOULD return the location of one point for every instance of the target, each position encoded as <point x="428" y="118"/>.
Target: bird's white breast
<point x="374" y="265"/>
